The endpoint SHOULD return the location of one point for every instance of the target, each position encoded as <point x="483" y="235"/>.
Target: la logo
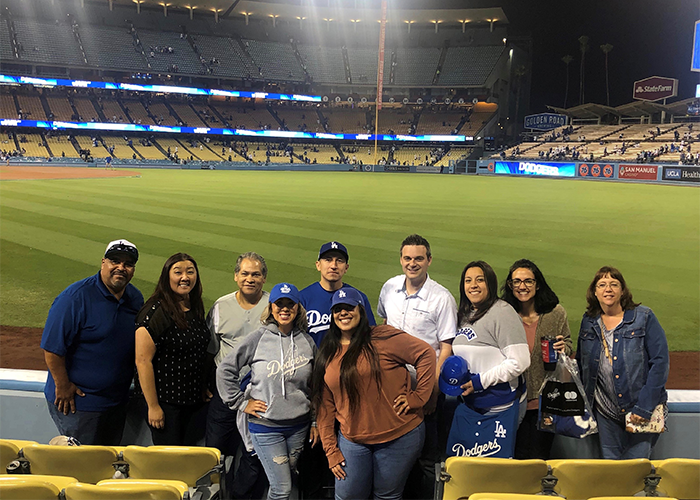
<point x="334" y="244"/>
<point x="500" y="430"/>
<point x="341" y="294"/>
<point x="285" y="289"/>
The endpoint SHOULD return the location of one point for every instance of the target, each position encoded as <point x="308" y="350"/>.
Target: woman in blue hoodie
<point x="279" y="356"/>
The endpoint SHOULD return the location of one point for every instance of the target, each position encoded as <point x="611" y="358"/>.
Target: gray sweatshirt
<point x="280" y="367"/>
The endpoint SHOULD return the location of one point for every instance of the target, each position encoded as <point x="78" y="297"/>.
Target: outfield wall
<point x="599" y="171"/>
<point x="24" y="415"/>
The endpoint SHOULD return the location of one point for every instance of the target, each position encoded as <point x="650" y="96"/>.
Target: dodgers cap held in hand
<point x="454" y="374"/>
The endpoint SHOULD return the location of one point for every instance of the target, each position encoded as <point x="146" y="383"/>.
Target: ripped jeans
<point x="278" y="453"/>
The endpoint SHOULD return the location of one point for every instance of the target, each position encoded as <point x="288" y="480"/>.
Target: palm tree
<point x="567" y="60"/>
<point x="519" y="73"/>
<point x="606" y="49"/>
<point x="583" y="45"/>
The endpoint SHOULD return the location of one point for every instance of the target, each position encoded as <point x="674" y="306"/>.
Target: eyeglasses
<point x="529" y="283"/>
<point x="615" y="286"/>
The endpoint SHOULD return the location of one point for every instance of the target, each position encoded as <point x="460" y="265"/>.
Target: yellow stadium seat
<point x="181" y="463"/>
<point x="126" y="491"/>
<point x="504" y="496"/>
<point x="680" y="477"/>
<point x="20" y="443"/>
<point x="89" y="464"/>
<point x="26" y="487"/>
<point x="582" y="479"/>
<point x="623" y="498"/>
<point x="181" y="486"/>
<point x="464" y="476"/>
<point x="59" y="482"/>
<point x="8" y="452"/>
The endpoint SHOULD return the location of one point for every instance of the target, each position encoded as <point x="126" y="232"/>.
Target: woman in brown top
<point x="360" y="379"/>
<point x="543" y="317"/>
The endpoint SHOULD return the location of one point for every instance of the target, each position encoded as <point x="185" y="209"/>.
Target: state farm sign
<point x="655" y="88"/>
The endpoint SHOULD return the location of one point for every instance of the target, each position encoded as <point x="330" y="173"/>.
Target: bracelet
<point x="313" y="424"/>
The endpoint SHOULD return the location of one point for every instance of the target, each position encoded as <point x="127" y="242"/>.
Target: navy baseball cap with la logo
<point x="122" y="247"/>
<point x="333" y="246"/>
<point x="284" y="291"/>
<point x="346" y="295"/>
<point x="453" y="375"/>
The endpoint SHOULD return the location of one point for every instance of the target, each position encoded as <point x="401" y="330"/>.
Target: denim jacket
<point x="640" y="360"/>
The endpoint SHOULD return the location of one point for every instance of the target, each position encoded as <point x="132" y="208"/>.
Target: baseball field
<point x="54" y="232"/>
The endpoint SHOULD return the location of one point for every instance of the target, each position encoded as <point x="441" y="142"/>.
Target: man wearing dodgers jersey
<point x="316" y="298"/>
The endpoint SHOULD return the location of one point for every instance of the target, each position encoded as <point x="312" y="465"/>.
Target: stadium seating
<point x="582" y="479"/>
<point x="33" y="145"/>
<point x="195" y="466"/>
<point x="415" y="65"/>
<point x="111" y="47"/>
<point x="60" y="144"/>
<point x="179" y="485"/>
<point x="59" y="482"/>
<point x="463" y="476"/>
<point x="45" y="42"/>
<point x="8" y="452"/>
<point x="346" y="120"/>
<point x="27" y="487"/>
<point x="124" y="491"/>
<point x="85" y="109"/>
<point x="680" y="477"/>
<point x="233" y="62"/>
<point x="469" y="65"/>
<point x="275" y="60"/>
<point x="88" y="464"/>
<point x="504" y="496"/>
<point x="324" y="64"/>
<point x="60" y="107"/>
<point x="31" y="107"/>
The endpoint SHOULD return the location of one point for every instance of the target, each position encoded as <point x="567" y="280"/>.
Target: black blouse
<point x="179" y="361"/>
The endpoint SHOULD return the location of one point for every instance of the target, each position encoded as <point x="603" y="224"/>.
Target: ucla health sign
<point x="545" y="121"/>
<point x="535" y="168"/>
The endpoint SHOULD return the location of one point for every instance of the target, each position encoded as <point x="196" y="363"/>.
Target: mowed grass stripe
<point x="569" y="228"/>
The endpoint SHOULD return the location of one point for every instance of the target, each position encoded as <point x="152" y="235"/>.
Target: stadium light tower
<point x="409" y="23"/>
<point x="216" y="14"/>
<point x="247" y="15"/>
<point x="165" y="8"/>
<point x="138" y="5"/>
<point x="354" y="23"/>
<point x="301" y="22"/>
<point x="436" y="23"/>
<point x="274" y="19"/>
<point x="328" y="23"/>
<point x="464" y="24"/>
<point x="191" y="8"/>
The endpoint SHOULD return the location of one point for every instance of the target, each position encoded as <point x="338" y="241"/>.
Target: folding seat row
<point x="465" y="477"/>
<point x="41" y="487"/>
<point x="193" y="471"/>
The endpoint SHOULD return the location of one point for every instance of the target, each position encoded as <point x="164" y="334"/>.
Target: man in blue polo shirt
<point x="88" y="344"/>
<point x="316" y="298"/>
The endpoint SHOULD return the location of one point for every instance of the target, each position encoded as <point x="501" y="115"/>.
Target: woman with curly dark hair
<point x="543" y="318"/>
<point x="172" y="361"/>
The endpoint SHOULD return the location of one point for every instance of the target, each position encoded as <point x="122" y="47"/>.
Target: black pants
<point x="421" y="481"/>
<point x="249" y="479"/>
<point x="184" y="425"/>
<point x="316" y="480"/>
<point x="531" y="442"/>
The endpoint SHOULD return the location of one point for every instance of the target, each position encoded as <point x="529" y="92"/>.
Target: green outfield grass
<point x="54" y="232"/>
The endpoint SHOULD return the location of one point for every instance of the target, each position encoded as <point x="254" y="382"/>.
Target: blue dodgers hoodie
<point x="280" y="369"/>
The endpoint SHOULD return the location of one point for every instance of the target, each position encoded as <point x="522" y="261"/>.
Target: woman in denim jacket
<point x="623" y="358"/>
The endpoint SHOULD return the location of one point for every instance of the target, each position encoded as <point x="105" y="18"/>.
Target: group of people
<point x="305" y="380"/>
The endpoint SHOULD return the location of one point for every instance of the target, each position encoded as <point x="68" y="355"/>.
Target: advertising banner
<point x="596" y="170"/>
<point x="655" y="88"/>
<point x="646" y="172"/>
<point x="536" y="168"/>
<point x="682" y="174"/>
<point x="545" y="121"/>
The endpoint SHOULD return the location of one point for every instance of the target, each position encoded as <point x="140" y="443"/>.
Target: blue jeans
<point x="279" y="452"/>
<point x="378" y="469"/>
<point x="91" y="427"/>
<point x="618" y="444"/>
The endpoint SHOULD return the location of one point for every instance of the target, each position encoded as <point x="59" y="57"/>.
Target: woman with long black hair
<point x="360" y="379"/>
<point x="543" y="317"/>
<point x="491" y="338"/>
<point x="172" y="361"/>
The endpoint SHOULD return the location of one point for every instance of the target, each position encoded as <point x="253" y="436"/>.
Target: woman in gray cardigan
<point x="542" y="316"/>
